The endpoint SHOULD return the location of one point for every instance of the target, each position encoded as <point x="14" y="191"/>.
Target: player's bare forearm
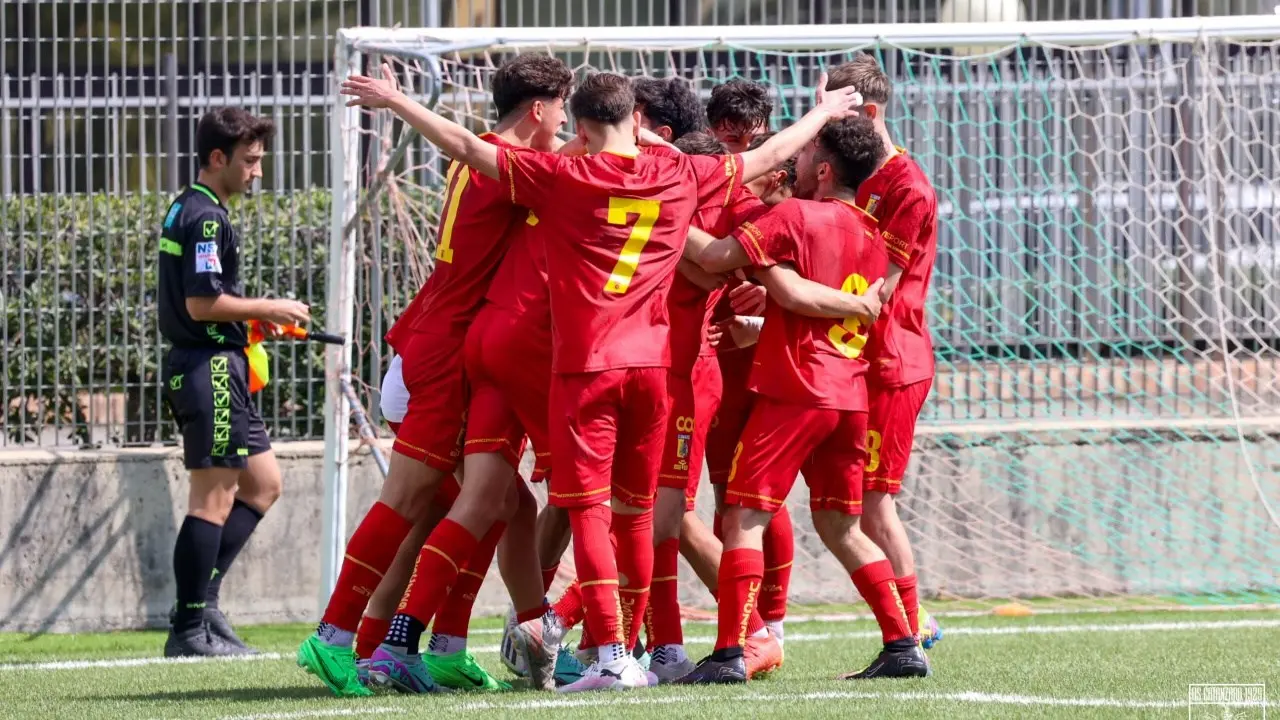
<point x="891" y="282"/>
<point x="454" y="140"/>
<point x="696" y="275"/>
<point x="805" y="297"/>
<point x="783" y="145"/>
<point x="715" y="255"/>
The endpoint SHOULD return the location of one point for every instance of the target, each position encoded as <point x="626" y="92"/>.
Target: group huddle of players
<point x="672" y="284"/>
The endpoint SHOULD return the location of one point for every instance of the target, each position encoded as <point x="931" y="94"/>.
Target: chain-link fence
<point x="98" y="103"/>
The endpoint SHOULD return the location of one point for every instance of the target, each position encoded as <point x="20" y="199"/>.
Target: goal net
<point x="1104" y="427"/>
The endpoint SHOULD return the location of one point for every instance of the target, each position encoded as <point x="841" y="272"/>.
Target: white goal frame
<point x="427" y="44"/>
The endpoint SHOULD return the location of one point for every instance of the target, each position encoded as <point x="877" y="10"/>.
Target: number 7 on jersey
<point x="620" y="210"/>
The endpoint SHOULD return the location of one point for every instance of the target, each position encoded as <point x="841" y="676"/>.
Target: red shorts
<point x="782" y="440"/>
<point x="449" y="490"/>
<point x="510" y="380"/>
<point x="731" y="417"/>
<point x="608" y="429"/>
<point x="694" y="401"/>
<point x="433" y="374"/>
<point x="891" y="429"/>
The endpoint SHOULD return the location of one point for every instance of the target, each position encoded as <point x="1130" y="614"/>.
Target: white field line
<point x="951" y="631"/>
<point x="642" y="698"/>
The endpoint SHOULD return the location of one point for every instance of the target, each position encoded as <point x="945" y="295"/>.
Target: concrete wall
<point x="86" y="538"/>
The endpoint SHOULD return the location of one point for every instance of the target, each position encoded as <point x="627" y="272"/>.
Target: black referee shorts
<point x="208" y="393"/>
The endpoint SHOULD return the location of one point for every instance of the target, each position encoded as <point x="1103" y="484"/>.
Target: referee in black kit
<point x="203" y="314"/>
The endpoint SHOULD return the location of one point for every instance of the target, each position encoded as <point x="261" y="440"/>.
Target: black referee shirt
<point x="199" y="257"/>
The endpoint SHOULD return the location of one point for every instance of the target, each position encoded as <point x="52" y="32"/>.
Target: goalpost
<point x="1104" y="427"/>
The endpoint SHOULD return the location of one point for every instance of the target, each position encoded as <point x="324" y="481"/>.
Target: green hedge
<point x="79" y="305"/>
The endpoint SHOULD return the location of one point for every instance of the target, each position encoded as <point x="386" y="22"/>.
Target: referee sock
<point x="236" y="530"/>
<point x="194" y="554"/>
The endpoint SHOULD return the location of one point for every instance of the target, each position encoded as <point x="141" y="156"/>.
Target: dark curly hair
<point x="853" y="148"/>
<point x="529" y="77"/>
<point x="740" y="104"/>
<point x="700" y="143"/>
<point x="671" y="102"/>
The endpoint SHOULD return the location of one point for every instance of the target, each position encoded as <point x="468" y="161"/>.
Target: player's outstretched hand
<point x="372" y="92"/>
<point x="747" y="299"/>
<point x="839" y="103"/>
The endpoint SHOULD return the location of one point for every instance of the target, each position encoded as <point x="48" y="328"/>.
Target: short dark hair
<point x="700" y="143"/>
<point x="788" y="165"/>
<point x="853" y="148"/>
<point x="529" y="77"/>
<point x="740" y="104"/>
<point x="671" y="102"/>
<point x="603" y="97"/>
<point x="228" y="127"/>
<point x="863" y="74"/>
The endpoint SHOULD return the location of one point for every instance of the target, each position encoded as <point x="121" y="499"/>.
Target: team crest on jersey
<point x="207" y="260"/>
<point x="683" y="443"/>
<point x="872" y="202"/>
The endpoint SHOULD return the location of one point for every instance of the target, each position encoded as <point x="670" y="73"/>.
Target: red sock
<point x="633" y="540"/>
<point x="442" y="557"/>
<point x="532" y="613"/>
<point x="587" y="640"/>
<point x="370" y="635"/>
<point x="910" y="601"/>
<point x="549" y="576"/>
<point x="779" y="553"/>
<point x="569" y="607"/>
<point x="662" y="622"/>
<point x="597" y="572"/>
<point x="875" y="582"/>
<point x="741" y="573"/>
<point x="369" y="554"/>
<point x="454" y="617"/>
<point x="717" y="526"/>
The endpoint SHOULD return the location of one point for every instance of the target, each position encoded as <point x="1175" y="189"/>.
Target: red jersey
<point x="520" y="285"/>
<point x="814" y="362"/>
<point x="474" y="232"/>
<point x="691" y="306"/>
<point x="614" y="229"/>
<point x="902" y="200"/>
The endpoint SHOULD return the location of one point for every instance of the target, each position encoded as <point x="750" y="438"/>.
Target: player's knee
<point x="410" y="486"/>
<point x="668" y="512"/>
<point x="835" y="529"/>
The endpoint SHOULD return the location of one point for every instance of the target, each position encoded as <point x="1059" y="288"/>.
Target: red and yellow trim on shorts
<point x="764" y="503"/>
<point x="881" y="484"/>
<point x="848" y="507"/>
<point x="541" y="466"/>
<point x="498" y="446"/>
<point x="422" y="455"/>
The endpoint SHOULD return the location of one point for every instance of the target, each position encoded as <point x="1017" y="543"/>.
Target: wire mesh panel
<point x="1104" y="305"/>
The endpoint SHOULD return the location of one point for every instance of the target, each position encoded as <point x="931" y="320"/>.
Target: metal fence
<point x="98" y="102"/>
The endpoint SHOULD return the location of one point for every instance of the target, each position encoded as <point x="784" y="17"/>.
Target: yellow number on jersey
<point x="629" y="258"/>
<point x="848" y="336"/>
<point x="444" y="250"/>
<point x="874" y="440"/>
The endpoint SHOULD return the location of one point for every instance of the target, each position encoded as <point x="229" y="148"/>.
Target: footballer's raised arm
<point x="456" y="141"/>
<point x="831" y="105"/>
<point x="805" y="297"/>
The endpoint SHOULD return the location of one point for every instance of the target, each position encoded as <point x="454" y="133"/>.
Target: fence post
<point x="172" y="147"/>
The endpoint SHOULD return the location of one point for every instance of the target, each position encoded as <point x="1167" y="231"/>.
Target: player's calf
<point x="873" y="576"/>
